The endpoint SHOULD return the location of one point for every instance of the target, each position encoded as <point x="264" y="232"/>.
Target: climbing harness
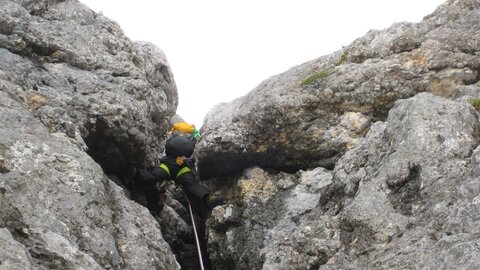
<point x="180" y="161"/>
<point x="191" y="164"/>
<point x="197" y="242"/>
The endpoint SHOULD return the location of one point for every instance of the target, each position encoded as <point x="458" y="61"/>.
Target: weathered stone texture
<point x="406" y="197"/>
<point x="71" y="82"/>
<point x="371" y="165"/>
<point x="80" y="75"/>
<point x="285" y="125"/>
<point x="61" y="210"/>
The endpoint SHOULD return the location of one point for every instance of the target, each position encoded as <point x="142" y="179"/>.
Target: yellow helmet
<point x="186" y="128"/>
<point x="183" y="127"/>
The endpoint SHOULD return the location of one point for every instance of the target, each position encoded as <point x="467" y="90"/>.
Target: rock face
<point x="81" y="76"/>
<point x="60" y="209"/>
<point x="313" y="113"/>
<point x="407" y="196"/>
<point x="371" y="163"/>
<point x="71" y="82"/>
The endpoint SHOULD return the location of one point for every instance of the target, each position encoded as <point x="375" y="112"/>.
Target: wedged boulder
<point x="80" y="75"/>
<point x="313" y="113"/>
<point x="405" y="197"/>
<point x="58" y="208"/>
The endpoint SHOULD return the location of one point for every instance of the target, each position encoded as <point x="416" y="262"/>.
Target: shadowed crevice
<point x="405" y="197"/>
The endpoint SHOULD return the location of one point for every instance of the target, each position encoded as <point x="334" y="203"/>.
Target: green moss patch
<point x="475" y="103"/>
<point x="314" y="77"/>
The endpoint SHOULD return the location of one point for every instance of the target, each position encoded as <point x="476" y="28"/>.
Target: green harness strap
<point x="183" y="171"/>
<point x="165" y="167"/>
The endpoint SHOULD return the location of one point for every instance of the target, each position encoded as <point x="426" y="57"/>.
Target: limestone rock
<point x="71" y="82"/>
<point x="313" y="113"/>
<point x="80" y="75"/>
<point x="60" y="209"/>
<point x="398" y="183"/>
<point x="13" y="255"/>
<point x="405" y="197"/>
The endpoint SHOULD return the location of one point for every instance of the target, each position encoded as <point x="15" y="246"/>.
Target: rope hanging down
<point x="197" y="242"/>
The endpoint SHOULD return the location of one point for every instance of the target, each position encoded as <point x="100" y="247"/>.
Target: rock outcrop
<point x="363" y="159"/>
<point x="406" y="197"/>
<point x="81" y="76"/>
<point x="70" y="84"/>
<point x="59" y="208"/>
<point x="313" y="113"/>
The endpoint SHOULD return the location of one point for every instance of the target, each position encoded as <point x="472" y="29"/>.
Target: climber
<point x="178" y="165"/>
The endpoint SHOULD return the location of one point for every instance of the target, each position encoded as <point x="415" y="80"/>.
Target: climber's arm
<point x="155" y="175"/>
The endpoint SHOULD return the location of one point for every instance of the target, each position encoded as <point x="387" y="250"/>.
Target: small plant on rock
<point x="342" y="58"/>
<point x="475" y="103"/>
<point x="314" y="77"/>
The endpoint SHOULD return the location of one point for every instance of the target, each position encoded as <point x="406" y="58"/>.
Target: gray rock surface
<point x="288" y="123"/>
<point x="60" y="209"/>
<point x="405" y="197"/>
<point x="13" y="254"/>
<point x="70" y="84"/>
<point x="396" y="188"/>
<point x="80" y="75"/>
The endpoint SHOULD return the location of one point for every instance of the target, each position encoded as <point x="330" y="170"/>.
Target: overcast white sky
<point x="219" y="50"/>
